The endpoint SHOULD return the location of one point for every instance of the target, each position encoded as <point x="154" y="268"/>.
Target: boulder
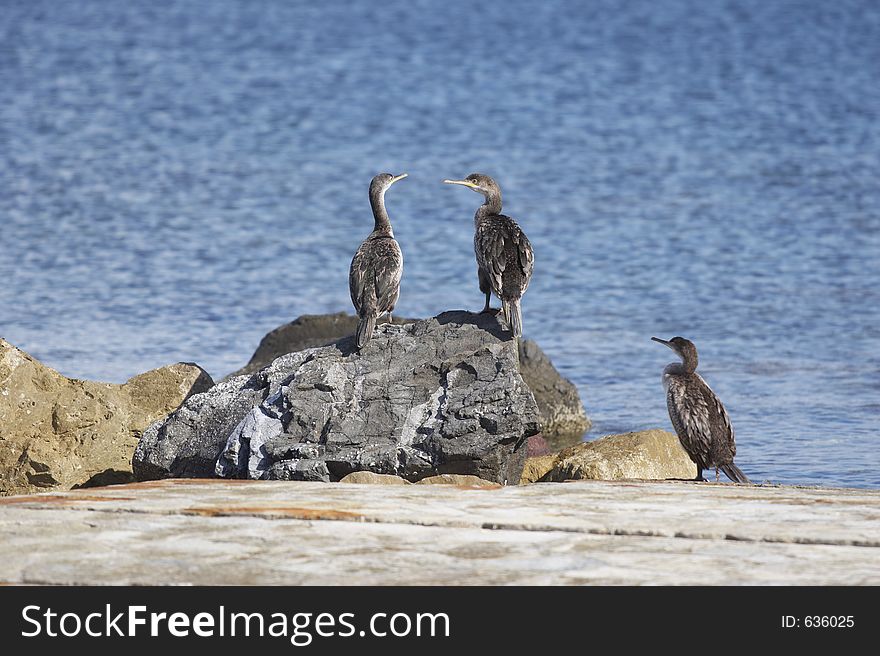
<point x="652" y="454"/>
<point x="562" y="413"/>
<point x="442" y="395"/>
<point x="461" y="480"/>
<point x="57" y="433"/>
<point x="369" y="478"/>
<point x="305" y="332"/>
<point x="536" y="468"/>
<point x="187" y="443"/>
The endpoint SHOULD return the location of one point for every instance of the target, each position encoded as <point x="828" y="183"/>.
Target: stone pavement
<point x="590" y="532"/>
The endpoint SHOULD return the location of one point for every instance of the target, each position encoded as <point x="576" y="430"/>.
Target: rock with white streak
<point x="563" y="417"/>
<point x="442" y="395"/>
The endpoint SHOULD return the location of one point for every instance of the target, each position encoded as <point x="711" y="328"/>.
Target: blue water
<point x="178" y="178"/>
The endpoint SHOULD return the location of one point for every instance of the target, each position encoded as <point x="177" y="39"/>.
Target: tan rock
<point x="652" y="454"/>
<point x="536" y="468"/>
<point x="370" y="478"/>
<point x="466" y="480"/>
<point x="58" y="432"/>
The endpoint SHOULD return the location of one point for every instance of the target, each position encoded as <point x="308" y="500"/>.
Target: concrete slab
<point x="255" y="532"/>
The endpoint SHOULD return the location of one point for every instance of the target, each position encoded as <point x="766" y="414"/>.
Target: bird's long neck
<point x="380" y="214"/>
<point x="674" y="369"/>
<point x="491" y="206"/>
<point x="688" y="365"/>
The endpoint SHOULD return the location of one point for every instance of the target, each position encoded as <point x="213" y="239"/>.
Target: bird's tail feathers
<point x="513" y="316"/>
<point x="735" y="474"/>
<point x="365" y="330"/>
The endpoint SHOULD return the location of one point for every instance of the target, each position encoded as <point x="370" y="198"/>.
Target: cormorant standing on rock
<point x="699" y="417"/>
<point x="504" y="255"/>
<point x="374" y="276"/>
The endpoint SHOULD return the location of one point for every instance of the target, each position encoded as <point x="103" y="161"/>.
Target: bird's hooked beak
<point x="463" y="183"/>
<point x="396" y="178"/>
<point x="664" y="342"/>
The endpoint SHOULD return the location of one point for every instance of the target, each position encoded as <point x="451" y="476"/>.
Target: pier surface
<point x="264" y="533"/>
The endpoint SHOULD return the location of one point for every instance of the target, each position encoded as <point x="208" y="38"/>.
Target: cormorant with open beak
<point x="504" y="255"/>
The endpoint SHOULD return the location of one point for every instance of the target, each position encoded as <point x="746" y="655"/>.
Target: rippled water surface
<point x="176" y="179"/>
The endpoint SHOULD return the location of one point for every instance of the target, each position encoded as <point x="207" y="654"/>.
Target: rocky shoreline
<point x="450" y="396"/>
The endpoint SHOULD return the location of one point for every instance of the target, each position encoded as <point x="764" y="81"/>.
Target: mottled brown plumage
<point x="697" y="414"/>
<point x="377" y="266"/>
<point x="504" y="255"/>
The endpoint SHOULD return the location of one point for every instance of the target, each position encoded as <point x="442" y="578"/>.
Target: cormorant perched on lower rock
<point x="374" y="276"/>
<point x="698" y="416"/>
<point x="504" y="255"/>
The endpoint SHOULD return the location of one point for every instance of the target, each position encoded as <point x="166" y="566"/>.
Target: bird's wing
<point x="526" y="257"/>
<point x="503" y="248"/>
<point x="357" y="274"/>
<point x="489" y="247"/>
<point x="689" y="414"/>
<point x="721" y="420"/>
<point x="388" y="271"/>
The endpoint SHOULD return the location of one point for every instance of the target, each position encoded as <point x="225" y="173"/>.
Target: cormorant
<point x="374" y="276"/>
<point x="504" y="255"/>
<point x="698" y="416"/>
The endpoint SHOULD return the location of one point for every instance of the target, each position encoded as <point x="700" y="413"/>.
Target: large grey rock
<point x="443" y="395"/>
<point x="562" y="413"/>
<point x="186" y="444"/>
<point x="304" y="332"/>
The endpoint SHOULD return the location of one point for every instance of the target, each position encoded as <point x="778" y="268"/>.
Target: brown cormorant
<point x="374" y="276"/>
<point x="504" y="255"/>
<point x="699" y="417"/>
